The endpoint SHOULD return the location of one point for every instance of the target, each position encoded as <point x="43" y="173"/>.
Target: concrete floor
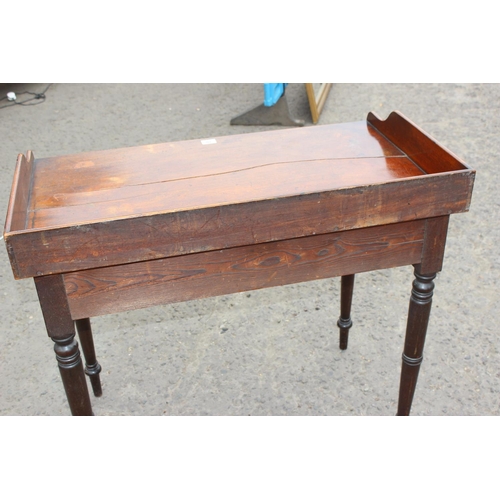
<point x="274" y="351"/>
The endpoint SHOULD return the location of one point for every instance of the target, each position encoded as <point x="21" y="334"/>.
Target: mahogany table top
<point x="226" y="191"/>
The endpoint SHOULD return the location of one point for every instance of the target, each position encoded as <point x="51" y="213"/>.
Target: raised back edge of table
<point x="422" y="149"/>
<point x="19" y="195"/>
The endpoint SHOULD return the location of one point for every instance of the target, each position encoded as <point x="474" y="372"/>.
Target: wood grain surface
<point x="40" y="252"/>
<point x="425" y="151"/>
<point x="119" y="288"/>
<point x="17" y="211"/>
<point x="54" y="304"/>
<point x="189" y="175"/>
<point x="150" y="202"/>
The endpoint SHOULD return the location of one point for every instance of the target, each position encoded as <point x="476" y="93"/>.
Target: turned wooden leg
<point x="416" y="329"/>
<point x="345" y="322"/>
<point x="61" y="329"/>
<point x="92" y="367"/>
<point x="71" y="369"/>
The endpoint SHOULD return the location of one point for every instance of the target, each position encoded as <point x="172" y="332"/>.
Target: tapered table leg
<point x="61" y="329"/>
<point x="92" y="367"/>
<point x="71" y="369"/>
<point x="344" y="323"/>
<point x="416" y="329"/>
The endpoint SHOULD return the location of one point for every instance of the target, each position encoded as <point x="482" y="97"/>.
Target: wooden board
<point x="143" y="284"/>
<point x="17" y="211"/>
<point x="164" y="235"/>
<point x="190" y="175"/>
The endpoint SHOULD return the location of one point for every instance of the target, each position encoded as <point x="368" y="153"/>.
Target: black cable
<point x="38" y="96"/>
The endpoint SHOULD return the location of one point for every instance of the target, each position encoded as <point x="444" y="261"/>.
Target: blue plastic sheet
<point x="272" y="92"/>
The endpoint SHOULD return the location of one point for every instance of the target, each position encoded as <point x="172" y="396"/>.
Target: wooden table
<point x="111" y="231"/>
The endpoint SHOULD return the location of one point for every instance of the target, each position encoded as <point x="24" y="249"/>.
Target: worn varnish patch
<point x="116" y="207"/>
<point x="188" y="175"/>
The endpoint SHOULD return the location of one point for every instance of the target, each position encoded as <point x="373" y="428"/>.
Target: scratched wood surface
<point x="136" y="204"/>
<point x="189" y="175"/>
<point x="186" y="277"/>
<point x="40" y="252"/>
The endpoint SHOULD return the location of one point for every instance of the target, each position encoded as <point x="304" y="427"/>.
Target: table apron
<point x="125" y="287"/>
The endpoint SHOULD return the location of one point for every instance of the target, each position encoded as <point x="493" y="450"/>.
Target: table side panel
<point x="164" y="235"/>
<point x="187" y="277"/>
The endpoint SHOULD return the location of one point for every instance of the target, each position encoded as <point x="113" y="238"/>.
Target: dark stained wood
<point x="92" y="367"/>
<point x="267" y="181"/>
<point x="345" y="322"/>
<point x="109" y="231"/>
<point x="54" y="304"/>
<point x="61" y="330"/>
<point x="188" y="174"/>
<point x="175" y="198"/>
<point x="73" y="378"/>
<point x="416" y="330"/>
<point x="120" y="288"/>
<point x="422" y="149"/>
<point x="436" y="230"/>
<point x="17" y="212"/>
<point x="86" y="246"/>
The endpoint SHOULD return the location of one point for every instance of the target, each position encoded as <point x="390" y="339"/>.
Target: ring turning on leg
<point x="71" y="369"/>
<point x="344" y="323"/>
<point x="92" y="367"/>
<point x="416" y="329"/>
